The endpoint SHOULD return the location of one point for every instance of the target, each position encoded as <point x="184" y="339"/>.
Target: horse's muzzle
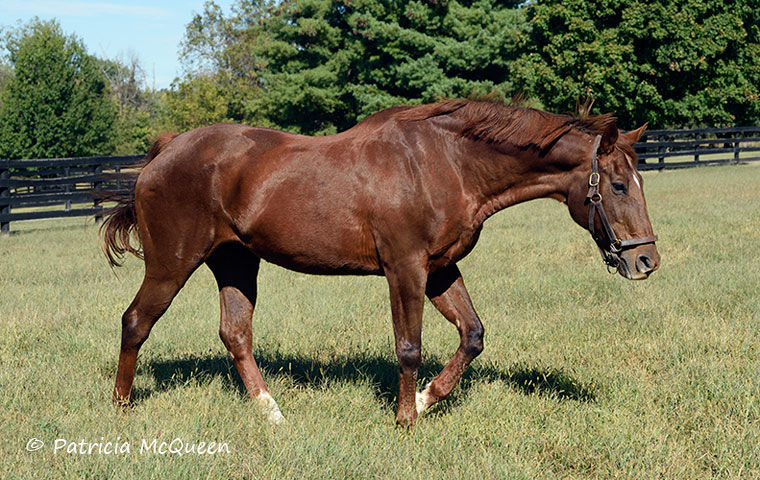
<point x="638" y="263"/>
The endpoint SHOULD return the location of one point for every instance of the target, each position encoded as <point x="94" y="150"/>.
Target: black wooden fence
<point x="666" y="149"/>
<point x="61" y="187"/>
<point x="69" y="187"/>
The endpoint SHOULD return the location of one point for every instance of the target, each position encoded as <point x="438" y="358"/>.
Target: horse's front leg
<point x="445" y="288"/>
<point x="406" y="282"/>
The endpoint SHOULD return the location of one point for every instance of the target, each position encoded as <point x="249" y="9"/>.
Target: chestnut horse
<point x="403" y="194"/>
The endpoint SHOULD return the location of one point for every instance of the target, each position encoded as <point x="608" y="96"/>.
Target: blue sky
<point x="116" y="28"/>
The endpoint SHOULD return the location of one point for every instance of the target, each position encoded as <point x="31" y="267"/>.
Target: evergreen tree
<point x="677" y="63"/>
<point x="56" y="103"/>
<point x="319" y="66"/>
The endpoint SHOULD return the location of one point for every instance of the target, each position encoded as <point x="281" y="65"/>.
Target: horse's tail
<point x="121" y="220"/>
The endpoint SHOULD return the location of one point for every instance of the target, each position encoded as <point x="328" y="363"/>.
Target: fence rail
<point x="60" y="187"/>
<point x="668" y="149"/>
<point x="72" y="185"/>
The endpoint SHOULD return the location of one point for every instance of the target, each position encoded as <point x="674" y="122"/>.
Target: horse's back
<point x="288" y="197"/>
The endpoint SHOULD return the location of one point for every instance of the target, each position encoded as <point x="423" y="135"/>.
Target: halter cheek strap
<point x="594" y="199"/>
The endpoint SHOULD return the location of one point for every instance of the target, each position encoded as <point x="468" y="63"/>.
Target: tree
<point x="222" y="75"/>
<point x="137" y="105"/>
<point x="673" y="63"/>
<point x="195" y="102"/>
<point x="6" y="73"/>
<point x="56" y="103"/>
<point x="319" y="66"/>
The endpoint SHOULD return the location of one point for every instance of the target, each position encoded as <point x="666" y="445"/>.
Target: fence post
<point x="660" y="151"/>
<point x="736" y="147"/>
<point x="640" y="147"/>
<point x="96" y="186"/>
<point x="5" y="198"/>
<point x="696" y="147"/>
<point x="67" y="189"/>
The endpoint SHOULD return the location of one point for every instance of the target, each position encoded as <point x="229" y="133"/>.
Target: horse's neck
<point x="497" y="180"/>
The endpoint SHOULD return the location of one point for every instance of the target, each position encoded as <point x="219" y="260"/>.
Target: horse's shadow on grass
<point x="378" y="371"/>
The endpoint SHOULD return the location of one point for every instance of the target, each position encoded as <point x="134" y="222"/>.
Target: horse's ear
<point x="633" y="136"/>
<point x="609" y="138"/>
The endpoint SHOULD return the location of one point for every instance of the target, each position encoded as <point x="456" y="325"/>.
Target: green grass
<point x="584" y="375"/>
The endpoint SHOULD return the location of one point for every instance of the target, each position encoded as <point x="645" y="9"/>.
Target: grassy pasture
<point x="584" y="375"/>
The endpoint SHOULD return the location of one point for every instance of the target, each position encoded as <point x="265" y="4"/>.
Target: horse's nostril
<point x="644" y="264"/>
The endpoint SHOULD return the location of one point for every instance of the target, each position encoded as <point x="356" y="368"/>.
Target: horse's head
<point x="609" y="202"/>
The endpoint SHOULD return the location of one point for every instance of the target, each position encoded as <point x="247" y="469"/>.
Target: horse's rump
<point x="121" y="220"/>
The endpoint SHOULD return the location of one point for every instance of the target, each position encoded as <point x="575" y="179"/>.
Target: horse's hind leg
<point x="447" y="292"/>
<point x="171" y="256"/>
<point x="156" y="293"/>
<point x="235" y="269"/>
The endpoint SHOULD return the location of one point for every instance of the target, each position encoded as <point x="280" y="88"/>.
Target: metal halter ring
<point x="593" y="180"/>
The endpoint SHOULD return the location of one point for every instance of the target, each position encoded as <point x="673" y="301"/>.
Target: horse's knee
<point x="473" y="345"/>
<point x="409" y="356"/>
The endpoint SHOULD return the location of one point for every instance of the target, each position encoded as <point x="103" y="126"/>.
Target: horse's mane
<point x="522" y="127"/>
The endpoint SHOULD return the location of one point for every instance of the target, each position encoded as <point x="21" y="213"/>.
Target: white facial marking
<point x="421" y="399"/>
<point x="270" y="408"/>
<point x="629" y="160"/>
<point x="636" y="179"/>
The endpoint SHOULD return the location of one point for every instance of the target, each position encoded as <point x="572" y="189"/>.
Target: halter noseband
<point x="594" y="199"/>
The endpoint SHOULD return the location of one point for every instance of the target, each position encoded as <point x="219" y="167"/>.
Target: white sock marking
<point x="270" y="408"/>
<point x="421" y="400"/>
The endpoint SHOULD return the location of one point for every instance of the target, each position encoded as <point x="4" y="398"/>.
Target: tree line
<point x="319" y="66"/>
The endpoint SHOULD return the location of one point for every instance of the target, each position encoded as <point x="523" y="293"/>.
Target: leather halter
<point x="594" y="198"/>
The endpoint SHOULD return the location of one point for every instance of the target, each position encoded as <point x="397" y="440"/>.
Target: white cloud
<point x="81" y="9"/>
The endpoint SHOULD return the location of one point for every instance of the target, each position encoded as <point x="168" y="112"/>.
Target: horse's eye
<point x="619" y="188"/>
